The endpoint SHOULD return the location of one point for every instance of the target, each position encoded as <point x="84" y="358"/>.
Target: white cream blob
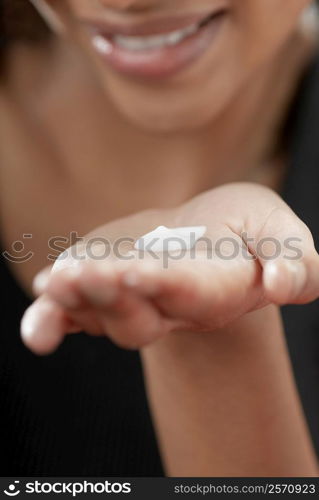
<point x="164" y="239"/>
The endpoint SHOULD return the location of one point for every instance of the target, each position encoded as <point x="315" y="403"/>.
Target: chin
<point x="163" y="119"/>
<point x="169" y="108"/>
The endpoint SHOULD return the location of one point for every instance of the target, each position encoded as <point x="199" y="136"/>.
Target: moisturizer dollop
<point x="164" y="239"/>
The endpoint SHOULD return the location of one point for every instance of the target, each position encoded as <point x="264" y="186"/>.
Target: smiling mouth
<point x="152" y="50"/>
<point x="140" y="43"/>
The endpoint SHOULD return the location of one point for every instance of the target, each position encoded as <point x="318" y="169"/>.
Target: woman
<point x="143" y="104"/>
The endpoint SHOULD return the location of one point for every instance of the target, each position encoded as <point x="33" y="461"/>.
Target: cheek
<point x="274" y="12"/>
<point x="84" y="8"/>
<point x="263" y="25"/>
<point x="75" y="8"/>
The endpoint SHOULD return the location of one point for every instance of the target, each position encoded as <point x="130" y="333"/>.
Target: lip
<point x="150" y="27"/>
<point x="155" y="63"/>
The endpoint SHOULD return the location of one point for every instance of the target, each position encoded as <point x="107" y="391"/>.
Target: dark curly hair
<point x="20" y="21"/>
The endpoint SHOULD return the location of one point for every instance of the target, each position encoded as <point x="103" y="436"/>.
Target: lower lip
<point x="163" y="62"/>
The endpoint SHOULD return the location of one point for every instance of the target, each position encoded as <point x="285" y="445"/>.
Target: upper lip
<point x="152" y="26"/>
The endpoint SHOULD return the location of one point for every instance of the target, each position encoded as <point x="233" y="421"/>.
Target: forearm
<point x="225" y="403"/>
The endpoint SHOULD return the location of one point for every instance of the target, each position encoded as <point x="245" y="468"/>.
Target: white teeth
<point x="102" y="45"/>
<point x="175" y="38"/>
<point x="136" y="43"/>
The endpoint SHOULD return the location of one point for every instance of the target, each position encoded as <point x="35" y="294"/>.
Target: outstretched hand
<point x="256" y="251"/>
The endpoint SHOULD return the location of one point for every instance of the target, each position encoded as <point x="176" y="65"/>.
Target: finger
<point x="285" y="248"/>
<point x="290" y="282"/>
<point x="129" y="319"/>
<point x="207" y="292"/>
<point x="93" y="297"/>
<point x="132" y="322"/>
<point x="63" y="288"/>
<point x="41" y="281"/>
<point x="98" y="283"/>
<point x="44" y="326"/>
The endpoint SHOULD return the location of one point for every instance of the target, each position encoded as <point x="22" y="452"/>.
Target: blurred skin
<point x="247" y="54"/>
<point x="217" y="371"/>
<point x="156" y="134"/>
<point x="254" y="33"/>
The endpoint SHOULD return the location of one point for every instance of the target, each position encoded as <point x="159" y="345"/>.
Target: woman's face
<point x="169" y="65"/>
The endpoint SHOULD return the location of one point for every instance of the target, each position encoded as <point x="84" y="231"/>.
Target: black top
<point x="302" y="194"/>
<point x="83" y="410"/>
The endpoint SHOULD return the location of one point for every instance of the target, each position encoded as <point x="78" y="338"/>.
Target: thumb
<point x="285" y="248"/>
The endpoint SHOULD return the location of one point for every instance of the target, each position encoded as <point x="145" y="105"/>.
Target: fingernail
<point x="131" y="279"/>
<point x="272" y="275"/>
<point x="40" y="282"/>
<point x="298" y="272"/>
<point x="28" y="324"/>
<point x="286" y="275"/>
